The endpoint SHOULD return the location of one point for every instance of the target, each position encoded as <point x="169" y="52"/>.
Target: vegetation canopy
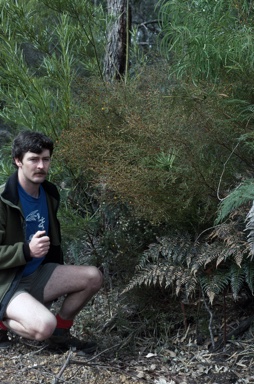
<point x="155" y="170"/>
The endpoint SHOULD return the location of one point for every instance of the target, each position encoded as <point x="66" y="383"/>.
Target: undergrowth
<point x="163" y="155"/>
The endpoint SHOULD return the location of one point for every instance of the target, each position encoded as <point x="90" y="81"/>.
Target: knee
<point x="95" y="278"/>
<point x="45" y="328"/>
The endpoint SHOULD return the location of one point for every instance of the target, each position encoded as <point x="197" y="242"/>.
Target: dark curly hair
<point x="30" y="141"/>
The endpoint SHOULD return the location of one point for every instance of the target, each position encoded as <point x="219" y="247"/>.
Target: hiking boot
<point x="62" y="339"/>
<point x="4" y="339"/>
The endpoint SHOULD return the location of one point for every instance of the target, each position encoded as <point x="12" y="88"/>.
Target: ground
<point x="126" y="355"/>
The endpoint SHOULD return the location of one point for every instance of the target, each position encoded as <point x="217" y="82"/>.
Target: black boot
<point x="4" y="339"/>
<point x="63" y="339"/>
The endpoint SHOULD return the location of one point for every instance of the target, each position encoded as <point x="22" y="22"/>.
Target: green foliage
<point x="239" y="196"/>
<point x="158" y="148"/>
<point x="211" y="42"/>
<point x="41" y="53"/>
<point x="208" y="39"/>
<point x="122" y="240"/>
<point x="44" y="47"/>
<point x="47" y="48"/>
<point x="215" y="283"/>
<point x="162" y="154"/>
<point x="6" y="170"/>
<point x="238" y="276"/>
<point x="250" y="229"/>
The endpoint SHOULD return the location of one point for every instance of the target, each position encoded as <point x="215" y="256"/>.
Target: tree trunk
<point x="115" y="63"/>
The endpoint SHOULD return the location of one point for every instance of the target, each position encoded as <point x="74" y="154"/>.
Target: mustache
<point x="40" y="173"/>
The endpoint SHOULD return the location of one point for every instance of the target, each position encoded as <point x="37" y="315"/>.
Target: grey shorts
<point x="36" y="282"/>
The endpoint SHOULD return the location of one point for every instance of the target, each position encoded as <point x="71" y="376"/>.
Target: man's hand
<point x="39" y="244"/>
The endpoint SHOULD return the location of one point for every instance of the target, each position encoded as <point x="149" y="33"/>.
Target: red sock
<point x="61" y="323"/>
<point x="2" y="326"/>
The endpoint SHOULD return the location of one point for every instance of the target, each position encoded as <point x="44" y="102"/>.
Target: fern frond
<point x="208" y="253"/>
<point x="250" y="227"/>
<point x="211" y="295"/>
<point x="184" y="279"/>
<point x="231" y="239"/>
<point x="249" y="275"/>
<point x="235" y="253"/>
<point x="178" y="263"/>
<point x="237" y="279"/>
<point x="238" y="257"/>
<point x="176" y="247"/>
<point x="215" y="283"/>
<point x="165" y="275"/>
<point x="148" y="276"/>
<point x="242" y="194"/>
<point x="150" y="255"/>
<point x="221" y="257"/>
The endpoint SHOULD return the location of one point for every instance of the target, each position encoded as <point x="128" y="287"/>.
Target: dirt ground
<point x="127" y="356"/>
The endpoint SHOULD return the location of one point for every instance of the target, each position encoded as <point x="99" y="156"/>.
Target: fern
<point x="237" y="279"/>
<point x="208" y="254"/>
<point x="178" y="263"/>
<point x="177" y="247"/>
<point x="166" y="264"/>
<point x="214" y="283"/>
<point x="239" y="196"/>
<point x="250" y="227"/>
<point x="249" y="275"/>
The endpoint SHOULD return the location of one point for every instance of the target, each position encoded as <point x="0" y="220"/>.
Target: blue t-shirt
<point x="35" y="211"/>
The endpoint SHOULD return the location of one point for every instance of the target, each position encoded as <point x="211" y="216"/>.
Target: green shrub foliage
<point x="163" y="154"/>
<point x="167" y="146"/>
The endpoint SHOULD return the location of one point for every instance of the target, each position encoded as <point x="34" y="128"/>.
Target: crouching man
<point x="32" y="273"/>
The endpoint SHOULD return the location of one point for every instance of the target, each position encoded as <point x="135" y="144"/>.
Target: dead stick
<point x="224" y="319"/>
<point x="73" y="361"/>
<point x="211" y="318"/>
<point x="58" y="376"/>
<point x="184" y="316"/>
<point x="244" y="325"/>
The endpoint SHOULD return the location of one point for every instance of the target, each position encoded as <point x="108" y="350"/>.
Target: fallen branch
<point x="244" y="325"/>
<point x="211" y="318"/>
<point x="58" y="376"/>
<point x="87" y="362"/>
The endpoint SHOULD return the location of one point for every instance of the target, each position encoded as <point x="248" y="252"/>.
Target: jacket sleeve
<point x="12" y="256"/>
<point x="14" y="252"/>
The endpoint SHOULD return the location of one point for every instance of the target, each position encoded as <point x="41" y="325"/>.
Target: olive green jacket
<point x="14" y="250"/>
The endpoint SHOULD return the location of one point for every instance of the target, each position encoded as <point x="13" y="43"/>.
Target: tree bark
<point x="115" y="63"/>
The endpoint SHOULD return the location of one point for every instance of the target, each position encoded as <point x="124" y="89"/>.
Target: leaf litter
<point x="124" y="357"/>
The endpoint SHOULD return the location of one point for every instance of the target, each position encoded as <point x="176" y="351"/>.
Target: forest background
<point x="150" y="105"/>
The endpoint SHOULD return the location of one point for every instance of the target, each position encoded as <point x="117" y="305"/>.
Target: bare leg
<point x="27" y="317"/>
<point x="79" y="283"/>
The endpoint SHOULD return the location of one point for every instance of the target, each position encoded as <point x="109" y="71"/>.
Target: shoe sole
<point x="65" y="347"/>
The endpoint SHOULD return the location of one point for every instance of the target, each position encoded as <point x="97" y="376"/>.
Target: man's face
<point x="34" y="167"/>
